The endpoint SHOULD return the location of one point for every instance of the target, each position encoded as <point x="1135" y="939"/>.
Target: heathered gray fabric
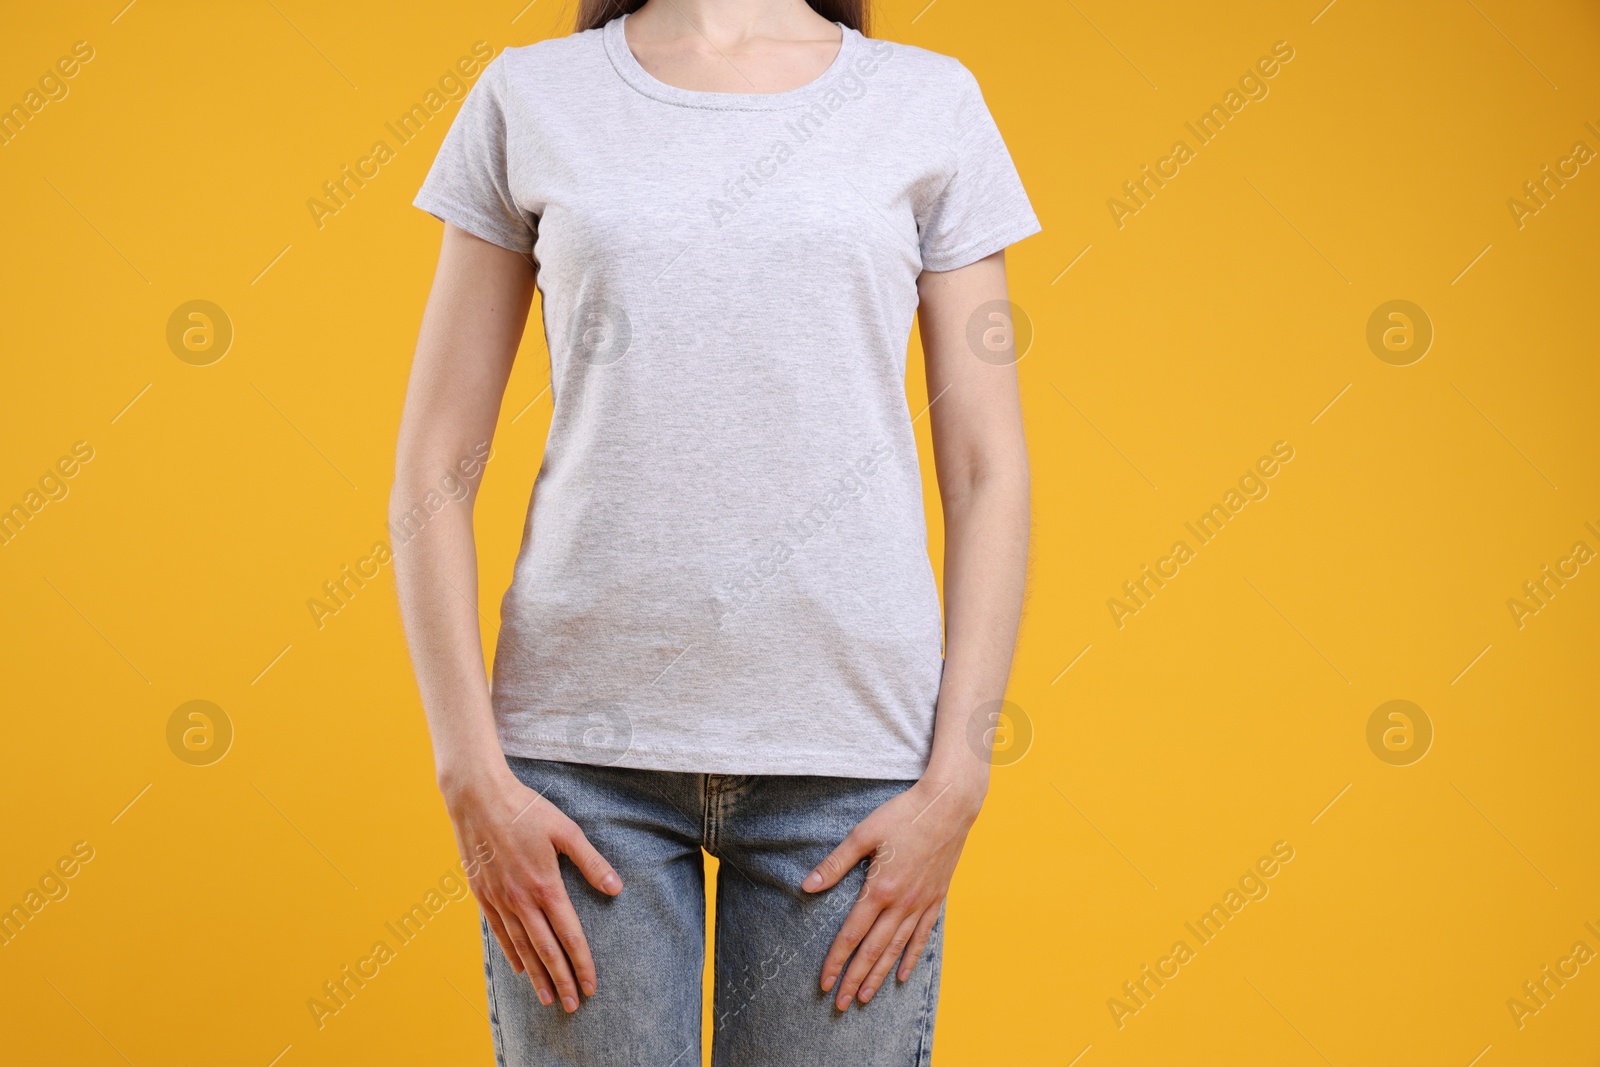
<point x="725" y="567"/>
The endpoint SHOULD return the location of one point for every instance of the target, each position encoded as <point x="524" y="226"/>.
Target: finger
<point x="564" y="920"/>
<point x="872" y="948"/>
<point x="537" y="973"/>
<point x="919" y="941"/>
<point x="855" y="927"/>
<point x="553" y="956"/>
<point x="492" y="917"/>
<point x="891" y="954"/>
<point x="596" y="871"/>
<point x="837" y="863"/>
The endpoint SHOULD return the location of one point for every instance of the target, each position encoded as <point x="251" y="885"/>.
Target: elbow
<point x="994" y="481"/>
<point x="426" y="487"/>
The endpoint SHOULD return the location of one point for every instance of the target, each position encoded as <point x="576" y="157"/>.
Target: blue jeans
<point x="768" y="831"/>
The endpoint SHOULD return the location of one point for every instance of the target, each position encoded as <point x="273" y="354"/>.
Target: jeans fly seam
<point x="710" y="814"/>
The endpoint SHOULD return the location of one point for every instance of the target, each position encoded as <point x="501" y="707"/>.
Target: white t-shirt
<point x="725" y="566"/>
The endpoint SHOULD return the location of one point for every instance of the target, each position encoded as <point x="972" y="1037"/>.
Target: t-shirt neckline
<point x="632" y="72"/>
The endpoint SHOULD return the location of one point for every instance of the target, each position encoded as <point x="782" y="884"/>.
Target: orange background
<point x="1229" y="713"/>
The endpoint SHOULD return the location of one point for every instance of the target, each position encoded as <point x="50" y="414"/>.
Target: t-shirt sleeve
<point x="982" y="207"/>
<point x="469" y="183"/>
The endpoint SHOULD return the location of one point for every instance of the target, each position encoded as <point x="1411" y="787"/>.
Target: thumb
<point x="833" y="867"/>
<point x="596" y="871"/>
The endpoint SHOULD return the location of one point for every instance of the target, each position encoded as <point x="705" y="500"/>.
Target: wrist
<point x="963" y="788"/>
<point x="468" y="784"/>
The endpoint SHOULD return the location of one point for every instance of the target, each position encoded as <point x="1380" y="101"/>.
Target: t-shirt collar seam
<point x="611" y="39"/>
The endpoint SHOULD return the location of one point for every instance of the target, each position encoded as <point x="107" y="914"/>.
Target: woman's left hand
<point x="914" y="840"/>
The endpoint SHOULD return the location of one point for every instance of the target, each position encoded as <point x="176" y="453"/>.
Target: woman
<point x="723" y="631"/>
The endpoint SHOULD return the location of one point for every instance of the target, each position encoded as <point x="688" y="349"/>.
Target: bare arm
<point x="981" y="460"/>
<point x="469" y="336"/>
<point x="509" y="835"/>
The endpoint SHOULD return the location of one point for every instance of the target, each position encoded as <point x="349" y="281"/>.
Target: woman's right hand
<point x="512" y="839"/>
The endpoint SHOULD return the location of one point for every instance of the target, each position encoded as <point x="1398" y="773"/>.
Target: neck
<point x="729" y="22"/>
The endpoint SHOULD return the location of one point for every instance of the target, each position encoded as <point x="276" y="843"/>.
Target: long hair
<point x="595" y="13"/>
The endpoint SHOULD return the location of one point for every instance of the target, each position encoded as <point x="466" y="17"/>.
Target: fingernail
<point x="827" y="983"/>
<point x="588" y="989"/>
<point x="842" y="1003"/>
<point x="570" y="1004"/>
<point x="545" y="998"/>
<point x="813" y="880"/>
<point x="866" y="995"/>
<point x="611" y="883"/>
